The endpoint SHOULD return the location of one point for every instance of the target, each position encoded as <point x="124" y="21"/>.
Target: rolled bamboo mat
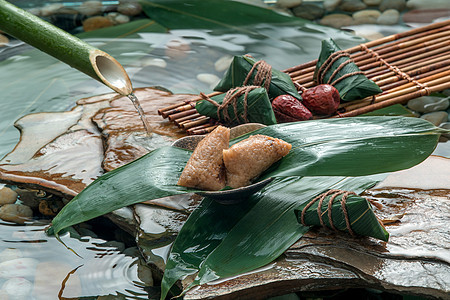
<point x="406" y="65"/>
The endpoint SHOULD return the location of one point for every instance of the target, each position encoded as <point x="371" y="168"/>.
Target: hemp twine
<point x="231" y="98"/>
<point x="396" y="70"/>
<point x="321" y="198"/>
<point x="263" y="74"/>
<point x="325" y="67"/>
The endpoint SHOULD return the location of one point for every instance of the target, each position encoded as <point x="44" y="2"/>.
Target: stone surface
<point x="49" y="277"/>
<point x="3" y="40"/>
<point x="18" y="288"/>
<point x="352" y="5"/>
<point x="7" y="196"/>
<point x="366" y="16"/>
<point x="90" y="8"/>
<point x="308" y="11"/>
<point x="96" y="22"/>
<point x="429" y="4"/>
<point x="336" y="20"/>
<point x="10" y="254"/>
<point x="129" y="8"/>
<point x="223" y="63"/>
<point x="425" y="15"/>
<point x="19" y="267"/>
<point x="288" y="3"/>
<point x="331" y="5"/>
<point x="372" y="2"/>
<point x="389" y="17"/>
<point x="393" y="4"/>
<point x="117" y="18"/>
<point x="210" y="79"/>
<point x="437" y="117"/>
<point x="16" y="213"/>
<point x="428" y="104"/>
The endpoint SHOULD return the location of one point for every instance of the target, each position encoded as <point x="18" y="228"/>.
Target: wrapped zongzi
<point x="343" y="211"/>
<point x="249" y="104"/>
<point x="336" y="68"/>
<point x="244" y="70"/>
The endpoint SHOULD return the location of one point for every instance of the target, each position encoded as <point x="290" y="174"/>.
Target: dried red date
<point x="323" y="99"/>
<point x="289" y="109"/>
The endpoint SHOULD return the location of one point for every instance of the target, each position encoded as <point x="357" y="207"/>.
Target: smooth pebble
<point x="18" y="288"/>
<point x="393" y="4"/>
<point x="10" y="254"/>
<point x="436" y="118"/>
<point x="308" y="11"/>
<point x="48" y="279"/>
<point x="428" y="104"/>
<point x="50" y="9"/>
<point x="288" y="3"/>
<point x="336" y="20"/>
<point x="446" y="125"/>
<point x="19" y="267"/>
<point x="389" y="17"/>
<point x="372" y="2"/>
<point x="352" y="5"/>
<point x="428" y="4"/>
<point x="16" y="213"/>
<point x="177" y="48"/>
<point x="331" y="5"/>
<point x="90" y="8"/>
<point x="7" y="196"/>
<point x="153" y="61"/>
<point x="129" y="8"/>
<point x="223" y="63"/>
<point x="210" y="79"/>
<point x="96" y="22"/>
<point x="366" y="16"/>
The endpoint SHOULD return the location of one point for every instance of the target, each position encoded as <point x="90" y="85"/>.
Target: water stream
<point x="141" y="112"/>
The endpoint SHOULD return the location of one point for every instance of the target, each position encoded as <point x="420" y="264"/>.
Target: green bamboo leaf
<point x="182" y="14"/>
<point x="334" y="147"/>
<point x="248" y="235"/>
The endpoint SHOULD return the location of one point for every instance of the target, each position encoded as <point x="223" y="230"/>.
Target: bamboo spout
<point x="65" y="47"/>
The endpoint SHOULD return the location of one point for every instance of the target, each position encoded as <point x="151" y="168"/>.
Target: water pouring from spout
<point x="69" y="49"/>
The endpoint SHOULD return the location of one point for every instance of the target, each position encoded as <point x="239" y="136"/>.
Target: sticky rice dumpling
<point x="247" y="159"/>
<point x="204" y="169"/>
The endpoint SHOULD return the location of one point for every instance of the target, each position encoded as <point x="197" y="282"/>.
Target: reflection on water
<point x="49" y="269"/>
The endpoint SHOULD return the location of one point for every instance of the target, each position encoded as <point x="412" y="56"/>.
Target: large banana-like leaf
<point x="180" y="14"/>
<point x="221" y="241"/>
<point x="334" y="147"/>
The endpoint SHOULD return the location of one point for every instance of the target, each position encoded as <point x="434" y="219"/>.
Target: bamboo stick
<point x="401" y="92"/>
<point x="181" y="114"/>
<point x="179" y="121"/>
<point x="194" y="123"/>
<point x="65" y="47"/>
<point x="396" y="100"/>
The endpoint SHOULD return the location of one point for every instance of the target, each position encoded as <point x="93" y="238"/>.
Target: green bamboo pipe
<point x="64" y="47"/>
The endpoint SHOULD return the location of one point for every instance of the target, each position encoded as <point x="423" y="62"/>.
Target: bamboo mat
<point x="406" y="65"/>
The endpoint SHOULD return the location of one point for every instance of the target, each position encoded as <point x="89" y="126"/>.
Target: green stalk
<point x="64" y="47"/>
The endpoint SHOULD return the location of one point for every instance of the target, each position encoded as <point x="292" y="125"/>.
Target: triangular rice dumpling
<point x="205" y="169"/>
<point x="280" y="83"/>
<point x="251" y="107"/>
<point x="360" y="217"/>
<point x="350" y="88"/>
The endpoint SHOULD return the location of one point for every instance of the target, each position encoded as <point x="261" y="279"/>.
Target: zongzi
<point x="205" y="169"/>
<point x="248" y="158"/>
<point x="335" y="67"/>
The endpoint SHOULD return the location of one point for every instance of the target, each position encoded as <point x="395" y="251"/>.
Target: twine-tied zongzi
<point x="263" y="74"/>
<point x="325" y="67"/>
<point x="231" y="98"/>
<point x="321" y="198"/>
